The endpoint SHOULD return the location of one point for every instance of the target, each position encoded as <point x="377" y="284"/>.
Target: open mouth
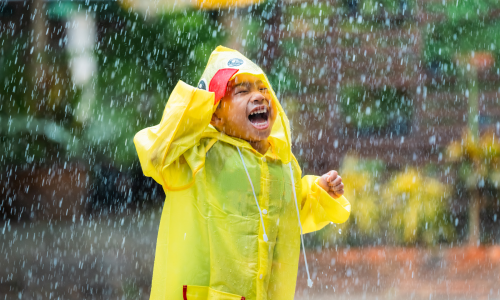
<point x="259" y="117"/>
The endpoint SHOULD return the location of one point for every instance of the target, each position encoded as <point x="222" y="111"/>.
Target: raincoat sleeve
<point x="318" y="208"/>
<point x="176" y="139"/>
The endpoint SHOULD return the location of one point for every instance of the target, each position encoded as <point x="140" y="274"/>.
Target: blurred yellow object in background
<point x="158" y="7"/>
<point x="224" y="4"/>
<point x="415" y="204"/>
<point x="361" y="191"/>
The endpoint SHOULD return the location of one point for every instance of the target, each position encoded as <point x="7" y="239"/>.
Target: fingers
<point x="323" y="182"/>
<point x="335" y="182"/>
<point x="332" y="175"/>
<point x="336" y="194"/>
<point x="337" y="187"/>
<point x="332" y="184"/>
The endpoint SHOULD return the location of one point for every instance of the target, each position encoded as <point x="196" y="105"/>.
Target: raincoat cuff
<point x="337" y="210"/>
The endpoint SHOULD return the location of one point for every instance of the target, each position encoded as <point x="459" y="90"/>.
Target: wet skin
<point x="246" y="111"/>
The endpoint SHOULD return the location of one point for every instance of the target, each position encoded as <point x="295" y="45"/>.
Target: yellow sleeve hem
<point x="332" y="210"/>
<point x="338" y="209"/>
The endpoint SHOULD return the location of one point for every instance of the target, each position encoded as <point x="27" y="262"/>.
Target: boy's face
<point x="246" y="110"/>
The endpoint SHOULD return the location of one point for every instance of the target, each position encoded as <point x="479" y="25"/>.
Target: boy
<point x="230" y="227"/>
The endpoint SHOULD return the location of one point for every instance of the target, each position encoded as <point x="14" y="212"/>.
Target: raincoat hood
<point x="223" y="65"/>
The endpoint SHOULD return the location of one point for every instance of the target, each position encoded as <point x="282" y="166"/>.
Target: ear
<point x="216" y="121"/>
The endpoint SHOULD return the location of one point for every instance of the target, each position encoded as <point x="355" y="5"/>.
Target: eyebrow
<point x="247" y="83"/>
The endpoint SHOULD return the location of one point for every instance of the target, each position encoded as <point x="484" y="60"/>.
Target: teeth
<point x="260" y="111"/>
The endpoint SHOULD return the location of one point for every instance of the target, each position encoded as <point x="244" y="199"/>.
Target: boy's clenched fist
<point x="331" y="182"/>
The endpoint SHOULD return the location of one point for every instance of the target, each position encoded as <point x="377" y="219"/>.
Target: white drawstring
<point x="255" y="196"/>
<point x="309" y="281"/>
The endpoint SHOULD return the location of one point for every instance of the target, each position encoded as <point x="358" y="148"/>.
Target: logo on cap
<point x="202" y="85"/>
<point x="235" y="62"/>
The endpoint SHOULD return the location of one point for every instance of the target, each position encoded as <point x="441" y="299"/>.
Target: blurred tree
<point x="140" y="61"/>
<point x="477" y="160"/>
<point x="466" y="37"/>
<point x="36" y="95"/>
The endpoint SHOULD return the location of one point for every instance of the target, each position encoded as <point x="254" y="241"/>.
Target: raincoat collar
<point x="211" y="132"/>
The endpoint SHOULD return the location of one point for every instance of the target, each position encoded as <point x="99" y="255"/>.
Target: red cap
<point x="218" y="84"/>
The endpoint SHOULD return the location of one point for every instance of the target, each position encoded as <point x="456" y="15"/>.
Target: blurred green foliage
<point x="139" y="61"/>
<point x="391" y="7"/>
<point x="304" y="17"/>
<point x="36" y="119"/>
<point x="466" y="26"/>
<point x="375" y="109"/>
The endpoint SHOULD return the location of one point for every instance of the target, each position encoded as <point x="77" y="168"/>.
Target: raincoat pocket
<point x="195" y="292"/>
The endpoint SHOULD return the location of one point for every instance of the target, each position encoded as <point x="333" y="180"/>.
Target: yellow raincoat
<point x="211" y="242"/>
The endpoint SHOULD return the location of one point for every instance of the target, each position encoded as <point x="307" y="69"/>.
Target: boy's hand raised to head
<point x="331" y="182"/>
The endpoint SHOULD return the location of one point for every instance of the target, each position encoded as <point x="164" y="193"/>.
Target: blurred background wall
<point x="401" y="96"/>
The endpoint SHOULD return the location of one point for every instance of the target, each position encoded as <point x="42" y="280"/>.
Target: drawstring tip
<point x="265" y="237"/>
<point x="309" y="282"/>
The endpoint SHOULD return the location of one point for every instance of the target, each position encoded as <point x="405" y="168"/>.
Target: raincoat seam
<point x="280" y="201"/>
<point x="264" y="175"/>
<point x="195" y="171"/>
<point x="297" y="167"/>
<point x="186" y="186"/>
<point x="210" y="144"/>
<point x="209" y="232"/>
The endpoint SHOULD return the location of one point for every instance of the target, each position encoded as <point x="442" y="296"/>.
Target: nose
<point x="257" y="97"/>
